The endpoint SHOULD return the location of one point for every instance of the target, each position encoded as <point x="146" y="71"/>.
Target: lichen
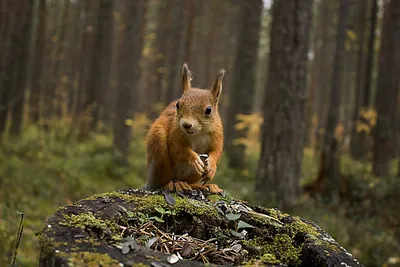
<point x="89" y="259"/>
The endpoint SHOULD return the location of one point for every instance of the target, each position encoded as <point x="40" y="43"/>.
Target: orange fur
<point x="172" y="150"/>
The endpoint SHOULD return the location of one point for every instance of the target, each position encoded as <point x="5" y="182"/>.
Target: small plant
<point x="162" y="212"/>
<point x="238" y="224"/>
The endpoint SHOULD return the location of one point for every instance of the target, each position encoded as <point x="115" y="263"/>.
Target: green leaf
<point x="234" y="233"/>
<point x="243" y="224"/>
<point x="160" y="210"/>
<point x="232" y="216"/>
<point x="130" y="214"/>
<point x="157" y="219"/>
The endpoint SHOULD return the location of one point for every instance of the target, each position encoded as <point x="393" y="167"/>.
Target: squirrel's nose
<point x="187" y="125"/>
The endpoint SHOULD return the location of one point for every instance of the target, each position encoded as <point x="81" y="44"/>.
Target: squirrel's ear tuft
<point x="217" y="87"/>
<point x="186" y="77"/>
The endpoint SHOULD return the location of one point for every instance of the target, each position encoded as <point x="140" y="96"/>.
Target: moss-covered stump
<point x="139" y="228"/>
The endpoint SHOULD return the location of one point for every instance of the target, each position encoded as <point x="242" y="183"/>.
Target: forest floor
<point x="41" y="171"/>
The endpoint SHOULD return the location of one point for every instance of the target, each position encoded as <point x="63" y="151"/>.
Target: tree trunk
<point x="8" y="21"/>
<point x="283" y="130"/>
<point x="329" y="171"/>
<point x="243" y="87"/>
<point x="175" y="45"/>
<point x="98" y="74"/>
<point x="130" y="48"/>
<point x="359" y="146"/>
<point x="20" y="58"/>
<point x="157" y="80"/>
<point x="37" y="63"/>
<point x="324" y="57"/>
<point x="387" y="89"/>
<point x="52" y="71"/>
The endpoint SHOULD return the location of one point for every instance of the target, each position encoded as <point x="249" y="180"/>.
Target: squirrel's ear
<point x="186" y="77"/>
<point x="217" y="87"/>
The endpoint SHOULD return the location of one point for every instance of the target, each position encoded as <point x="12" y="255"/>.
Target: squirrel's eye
<point x="177" y="105"/>
<point x="208" y="110"/>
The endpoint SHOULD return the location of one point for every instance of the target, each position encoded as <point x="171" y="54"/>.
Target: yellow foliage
<point x="147" y="51"/>
<point x="139" y="123"/>
<point x="351" y="35"/>
<point x="64" y="78"/>
<point x="251" y="123"/>
<point x="339" y="130"/>
<point x="309" y="151"/>
<point x="367" y="121"/>
<point x="128" y="122"/>
<point x="314" y="120"/>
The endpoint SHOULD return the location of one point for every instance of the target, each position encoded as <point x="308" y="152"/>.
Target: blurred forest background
<point x="310" y="105"/>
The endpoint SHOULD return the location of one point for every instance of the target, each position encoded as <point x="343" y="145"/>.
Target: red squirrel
<point x="187" y="128"/>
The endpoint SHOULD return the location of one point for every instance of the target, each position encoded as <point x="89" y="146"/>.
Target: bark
<point x="243" y="87"/>
<point x="174" y="55"/>
<point x="130" y="48"/>
<point x="324" y="57"/>
<point x="37" y="63"/>
<point x="387" y="89"/>
<point x="157" y="82"/>
<point x="329" y="171"/>
<point x="283" y="130"/>
<point x="98" y="76"/>
<point x="54" y="61"/>
<point x="359" y="145"/>
<point x="8" y="20"/>
<point x="229" y="53"/>
<point x="20" y="65"/>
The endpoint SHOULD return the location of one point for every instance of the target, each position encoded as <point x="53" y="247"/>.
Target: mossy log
<point x="140" y="228"/>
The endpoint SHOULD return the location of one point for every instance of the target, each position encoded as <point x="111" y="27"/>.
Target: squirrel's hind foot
<point x="213" y="188"/>
<point x="179" y="186"/>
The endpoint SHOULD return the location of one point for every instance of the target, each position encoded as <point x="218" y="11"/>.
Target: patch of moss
<point x="300" y="226"/>
<point x="266" y="221"/>
<point x="89" y="259"/>
<point x="284" y="250"/>
<point x="147" y="203"/>
<point x="139" y="265"/>
<point x="46" y="245"/>
<point x="83" y="220"/>
<point x="281" y="249"/>
<point x="268" y="258"/>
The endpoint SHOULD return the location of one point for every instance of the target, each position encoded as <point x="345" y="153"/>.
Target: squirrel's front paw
<point x="197" y="164"/>
<point x="209" y="171"/>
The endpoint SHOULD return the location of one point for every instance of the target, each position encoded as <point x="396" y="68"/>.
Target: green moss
<point x="300" y="226"/>
<point x="282" y="247"/>
<point x="89" y="259"/>
<point x="83" y="220"/>
<point x="46" y="245"/>
<point x="268" y="258"/>
<point x="147" y="203"/>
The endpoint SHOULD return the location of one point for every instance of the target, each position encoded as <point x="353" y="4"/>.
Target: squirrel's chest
<point x="200" y="143"/>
